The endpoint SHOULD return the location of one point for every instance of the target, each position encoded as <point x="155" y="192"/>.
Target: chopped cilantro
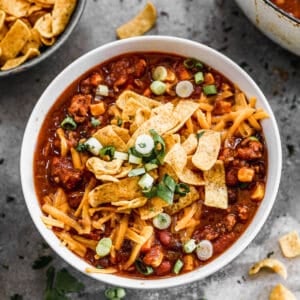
<point x="59" y="284"/>
<point x="41" y="262"/>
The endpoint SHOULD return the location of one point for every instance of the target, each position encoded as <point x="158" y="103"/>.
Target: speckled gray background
<point x="219" y="24"/>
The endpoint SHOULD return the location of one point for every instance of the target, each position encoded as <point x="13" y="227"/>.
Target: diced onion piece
<point x="136" y="172"/>
<point x="104" y="246"/>
<point x="135" y="159"/>
<point x="102" y="90"/>
<point x="204" y="250"/>
<point x="178" y="266"/>
<point x="189" y="246"/>
<point x="144" y="144"/>
<point x="184" y="89"/>
<point x="146" y="181"/>
<point x="93" y="145"/>
<point x="121" y="155"/>
<point x="162" y="221"/>
<point x="160" y="73"/>
<point x="157" y="87"/>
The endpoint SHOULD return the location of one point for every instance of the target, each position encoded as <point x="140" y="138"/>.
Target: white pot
<point x="278" y="25"/>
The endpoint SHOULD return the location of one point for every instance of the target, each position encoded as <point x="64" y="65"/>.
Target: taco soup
<point x="150" y="165"/>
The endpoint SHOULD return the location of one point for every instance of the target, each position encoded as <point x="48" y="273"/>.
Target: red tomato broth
<point x="214" y="223"/>
<point x="290" y="6"/>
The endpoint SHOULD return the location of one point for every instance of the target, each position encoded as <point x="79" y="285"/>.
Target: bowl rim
<point x="26" y="170"/>
<point x="282" y="11"/>
<point x="62" y="38"/>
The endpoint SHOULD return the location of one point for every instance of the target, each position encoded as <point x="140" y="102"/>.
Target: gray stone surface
<point x="219" y="24"/>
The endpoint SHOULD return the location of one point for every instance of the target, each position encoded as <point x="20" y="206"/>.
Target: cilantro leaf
<point x="66" y="283"/>
<point x="41" y="262"/>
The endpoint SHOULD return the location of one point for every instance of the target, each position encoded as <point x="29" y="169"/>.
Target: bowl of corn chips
<point x="31" y="30"/>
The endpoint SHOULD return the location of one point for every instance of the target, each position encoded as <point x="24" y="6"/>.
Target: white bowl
<point x="161" y="44"/>
<point x="277" y="24"/>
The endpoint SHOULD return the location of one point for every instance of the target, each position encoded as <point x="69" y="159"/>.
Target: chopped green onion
<point x="162" y="221"/>
<point x="184" y="89"/>
<point x="160" y="73"/>
<point x="144" y="144"/>
<point x="150" y="166"/>
<point x="182" y="189"/>
<point x="115" y="293"/>
<point x="119" y="122"/>
<point x="142" y="268"/>
<point x="136" y="172"/>
<point x="104" y="246"/>
<point x="204" y="250"/>
<point x="165" y="193"/>
<point x="102" y="90"/>
<point x="121" y="155"/>
<point x="158" y="87"/>
<point x="81" y="147"/>
<point x="146" y="181"/>
<point x="135" y="159"/>
<point x="150" y="193"/>
<point x="199" y="77"/>
<point x="178" y="266"/>
<point x="169" y="182"/>
<point x="199" y="134"/>
<point x="189" y="246"/>
<point x="159" y="146"/>
<point x="95" y="122"/>
<point x="210" y="89"/>
<point x="191" y="63"/>
<point x="93" y="145"/>
<point x="121" y="293"/>
<point x="68" y="123"/>
<point x="108" y="151"/>
<point x="253" y="138"/>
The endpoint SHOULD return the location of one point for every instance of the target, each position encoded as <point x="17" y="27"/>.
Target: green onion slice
<point x="160" y="73"/>
<point x="142" y="268"/>
<point x="144" y="144"/>
<point x="157" y="87"/>
<point x="108" y="151"/>
<point x="150" y="193"/>
<point x="178" y="266"/>
<point x="165" y="193"/>
<point x="191" y="63"/>
<point x="102" y="90"/>
<point x="136" y="172"/>
<point x="162" y="221"/>
<point x="146" y="182"/>
<point x="253" y="138"/>
<point x="182" y="189"/>
<point x="81" y="147"/>
<point x="150" y="166"/>
<point x="189" y="246"/>
<point x="204" y="250"/>
<point x="104" y="246"/>
<point x="169" y="182"/>
<point x="159" y="146"/>
<point x="115" y="293"/>
<point x="95" y="122"/>
<point x="184" y="88"/>
<point x="198" y="77"/>
<point x="199" y="134"/>
<point x="68" y="123"/>
<point x="93" y="145"/>
<point x="135" y="159"/>
<point x="210" y="89"/>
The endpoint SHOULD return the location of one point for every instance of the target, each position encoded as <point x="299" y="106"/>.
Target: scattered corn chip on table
<point x="219" y="24"/>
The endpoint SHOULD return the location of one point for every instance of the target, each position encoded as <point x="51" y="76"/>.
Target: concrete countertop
<point x="219" y="24"/>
